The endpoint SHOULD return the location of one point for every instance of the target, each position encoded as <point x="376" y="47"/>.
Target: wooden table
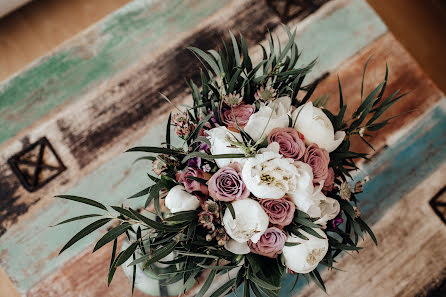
<point x="97" y="95"/>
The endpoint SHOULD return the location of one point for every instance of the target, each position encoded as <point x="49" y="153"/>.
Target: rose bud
<point x="291" y="144"/>
<point x="318" y="158"/>
<point x="280" y="211"/>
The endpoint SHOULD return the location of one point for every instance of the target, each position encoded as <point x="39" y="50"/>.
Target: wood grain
<point x="40" y="26"/>
<point x="404" y="74"/>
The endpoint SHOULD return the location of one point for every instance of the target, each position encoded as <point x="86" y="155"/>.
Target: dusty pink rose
<point x="329" y="182"/>
<point x="280" y="211"/>
<point x="318" y="158"/>
<point x="270" y="244"/>
<point x="241" y="113"/>
<point x="227" y="184"/>
<point x="189" y="184"/>
<point x="290" y="141"/>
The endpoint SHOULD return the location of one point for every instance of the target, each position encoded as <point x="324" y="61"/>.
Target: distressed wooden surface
<point x="410" y="259"/>
<point x="124" y="110"/>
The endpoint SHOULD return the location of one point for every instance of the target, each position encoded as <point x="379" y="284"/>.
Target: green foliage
<point x="155" y="235"/>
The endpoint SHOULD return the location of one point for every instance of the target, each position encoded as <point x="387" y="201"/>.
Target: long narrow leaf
<point x="83" y="200"/>
<point x="111" y="235"/>
<point x="84" y="232"/>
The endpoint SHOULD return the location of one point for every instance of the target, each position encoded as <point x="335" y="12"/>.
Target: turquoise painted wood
<point x="77" y="67"/>
<point x="27" y="258"/>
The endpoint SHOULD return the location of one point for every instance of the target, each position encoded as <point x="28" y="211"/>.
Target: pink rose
<point x="280" y="211"/>
<point x="270" y="244"/>
<point x="227" y="184"/>
<point x="318" y="158"/>
<point x="242" y="113"/>
<point x="329" y="182"/>
<point x="189" y="184"/>
<point x="290" y="141"/>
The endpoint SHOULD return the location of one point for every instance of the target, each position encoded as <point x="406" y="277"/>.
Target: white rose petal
<point x="220" y="144"/>
<point x="273" y="115"/>
<point x="317" y="128"/>
<point x="238" y="248"/>
<point x="179" y="200"/>
<point x="329" y="209"/>
<point x="250" y="221"/>
<point x="305" y="257"/>
<point x="268" y="175"/>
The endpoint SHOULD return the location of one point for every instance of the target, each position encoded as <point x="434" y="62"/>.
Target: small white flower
<point x="270" y="116"/>
<point x="268" y="175"/>
<point x="265" y="94"/>
<point x="238" y="248"/>
<point x="250" y="221"/>
<point x="179" y="200"/>
<point x="316" y="127"/>
<point x="220" y="138"/>
<point x="305" y="256"/>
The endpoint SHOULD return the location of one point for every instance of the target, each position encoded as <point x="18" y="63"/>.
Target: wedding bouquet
<point x="255" y="185"/>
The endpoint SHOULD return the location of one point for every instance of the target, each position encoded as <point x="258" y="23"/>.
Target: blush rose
<point x="290" y="141"/>
<point x="227" y="184"/>
<point x="318" y="159"/>
<point x="270" y="244"/>
<point x="189" y="184"/>
<point x="241" y="113"/>
<point x="280" y="211"/>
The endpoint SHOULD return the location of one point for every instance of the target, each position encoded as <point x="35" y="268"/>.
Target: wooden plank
<point x="404" y="74"/>
<point x="30" y="260"/>
<point x="411" y="257"/>
<point x="37" y="28"/>
<point x="82" y="64"/>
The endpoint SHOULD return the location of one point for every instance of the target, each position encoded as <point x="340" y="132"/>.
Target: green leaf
<point x="126" y="254"/>
<point x="291" y="243"/>
<point x="155" y="225"/>
<point x="223" y="289"/>
<point x="133" y="276"/>
<point x="211" y="157"/>
<point x="306" y="222"/>
<point x="112" y="270"/>
<point x="84" y="232"/>
<point x="236" y="50"/>
<point x="262" y="283"/>
<point x="83" y="200"/>
<point x="363" y="76"/>
<point x="218" y="268"/>
<point x="206" y="284"/>
<point x="202" y="139"/>
<point x="157" y="255"/>
<point x="317" y="279"/>
<point x="124" y="212"/>
<point x="348" y="208"/>
<point x="183" y="216"/>
<point x="312" y="232"/>
<point x="154" y="192"/>
<point x="206" y="58"/>
<point x="141" y="193"/>
<point x="341" y="98"/>
<point x="156" y="150"/>
<point x="111" y="235"/>
<point x="231" y="209"/>
<point x="168" y="130"/>
<point x="77" y="218"/>
<point x="197" y="179"/>
<point x="367" y="228"/>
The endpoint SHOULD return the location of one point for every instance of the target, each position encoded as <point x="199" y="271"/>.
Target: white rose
<point x="316" y="204"/>
<point x="317" y="128"/>
<point x="179" y="200"/>
<point x="238" y="248"/>
<point x="273" y="115"/>
<point x="220" y="138"/>
<point x="250" y="221"/>
<point x="329" y="209"/>
<point x="305" y="257"/>
<point x="268" y="175"/>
